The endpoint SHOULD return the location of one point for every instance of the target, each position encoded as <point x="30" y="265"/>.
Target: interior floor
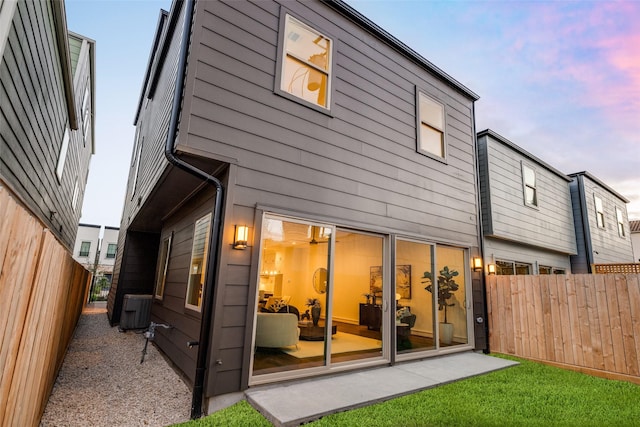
<point x="271" y="360"/>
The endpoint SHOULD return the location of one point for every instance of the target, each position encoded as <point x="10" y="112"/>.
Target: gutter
<point x="216" y="227"/>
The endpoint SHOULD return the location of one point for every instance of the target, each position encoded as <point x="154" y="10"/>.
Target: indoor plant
<point x="446" y="287"/>
<point x="314" y="304"/>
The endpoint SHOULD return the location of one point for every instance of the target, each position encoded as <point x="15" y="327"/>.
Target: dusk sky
<point x="561" y="79"/>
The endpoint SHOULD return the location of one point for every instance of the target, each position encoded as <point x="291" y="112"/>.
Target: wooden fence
<point x="42" y="292"/>
<point x="590" y="323"/>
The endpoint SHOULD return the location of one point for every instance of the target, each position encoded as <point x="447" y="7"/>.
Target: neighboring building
<point x="97" y="253"/>
<point x="47" y="106"/>
<point x="634" y="228"/>
<point x="526" y="210"/>
<point x="326" y="160"/>
<point x="601" y="223"/>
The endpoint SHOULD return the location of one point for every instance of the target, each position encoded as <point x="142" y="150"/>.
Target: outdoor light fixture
<point x="491" y="268"/>
<point x="477" y="264"/>
<point x="241" y="236"/>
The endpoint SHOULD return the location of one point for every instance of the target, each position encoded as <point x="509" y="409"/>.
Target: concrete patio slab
<point x="290" y="404"/>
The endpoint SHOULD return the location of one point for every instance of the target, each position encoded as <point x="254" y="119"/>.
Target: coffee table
<point x="315" y="333"/>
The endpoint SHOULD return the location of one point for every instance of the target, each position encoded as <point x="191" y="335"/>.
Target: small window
<point x="620" y="222"/>
<point x="510" y="268"/>
<point x="198" y="265"/>
<point x="599" y="211"/>
<point x="76" y="191"/>
<point x="62" y="157"/>
<point x="545" y="270"/>
<point x="137" y="167"/>
<point x="559" y="271"/>
<point x="84" y="249"/>
<point x="430" y="127"/>
<point x="529" y="185"/>
<point x="306" y="63"/>
<point x="163" y="264"/>
<point x="112" y="248"/>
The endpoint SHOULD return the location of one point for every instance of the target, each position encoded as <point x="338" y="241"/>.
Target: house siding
<point x="504" y="250"/>
<point x="33" y="119"/>
<point x="361" y="164"/>
<point x="549" y="225"/>
<point x="605" y="243"/>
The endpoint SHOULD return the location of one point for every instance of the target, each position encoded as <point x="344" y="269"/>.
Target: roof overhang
<point x="62" y="39"/>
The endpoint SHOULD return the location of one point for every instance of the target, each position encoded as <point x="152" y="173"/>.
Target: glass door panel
<point x="452" y="301"/>
<point x="415" y="314"/>
<point x="356" y="296"/>
<point x="291" y="305"/>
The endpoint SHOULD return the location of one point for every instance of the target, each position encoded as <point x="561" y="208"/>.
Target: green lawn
<point x="530" y="394"/>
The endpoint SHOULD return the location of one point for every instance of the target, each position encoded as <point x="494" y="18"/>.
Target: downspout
<point x="483" y="279"/>
<point x="216" y="228"/>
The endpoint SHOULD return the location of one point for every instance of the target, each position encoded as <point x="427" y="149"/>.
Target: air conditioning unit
<point x="136" y="312"/>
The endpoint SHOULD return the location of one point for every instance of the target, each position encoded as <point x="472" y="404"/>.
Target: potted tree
<point x="446" y="287"/>
<point x="314" y="304"/>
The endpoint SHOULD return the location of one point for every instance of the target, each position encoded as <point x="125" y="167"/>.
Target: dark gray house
<point x="298" y="178"/>
<point x="601" y="222"/>
<point x="526" y="210"/>
<point x="46" y="113"/>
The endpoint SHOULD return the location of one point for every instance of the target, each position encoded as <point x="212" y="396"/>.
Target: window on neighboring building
<point x="62" y="156"/>
<point x="599" y="211"/>
<point x="198" y="265"/>
<point x="511" y="267"/>
<point x="306" y="63"/>
<point x="620" y="222"/>
<point x="430" y="126"/>
<point x="112" y="248"/>
<point x="162" y="266"/>
<point x="529" y="184"/>
<point x="84" y="249"/>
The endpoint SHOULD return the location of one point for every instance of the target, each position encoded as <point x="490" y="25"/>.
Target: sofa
<point x="276" y="330"/>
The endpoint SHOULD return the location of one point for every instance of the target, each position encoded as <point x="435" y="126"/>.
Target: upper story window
<point x="599" y="211"/>
<point x="198" y="265"/>
<point x="305" y="70"/>
<point x="431" y="139"/>
<point x="529" y="185"/>
<point x="84" y="248"/>
<point x="162" y="266"/>
<point x="85" y="114"/>
<point x="111" y="250"/>
<point x="620" y="222"/>
<point x="62" y="157"/>
<point x="138" y="155"/>
<point x="76" y="191"/>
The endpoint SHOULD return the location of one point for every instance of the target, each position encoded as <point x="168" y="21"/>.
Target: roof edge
<point x="513" y="146"/>
<point x="600" y="183"/>
<point x="62" y="40"/>
<point x="375" y="29"/>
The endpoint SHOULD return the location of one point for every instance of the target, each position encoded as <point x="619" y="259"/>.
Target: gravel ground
<point x="102" y="383"/>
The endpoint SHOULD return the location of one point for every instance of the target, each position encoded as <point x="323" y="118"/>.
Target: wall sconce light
<point x="240" y="237"/>
<point x="477" y="264"/>
<point x="491" y="268"/>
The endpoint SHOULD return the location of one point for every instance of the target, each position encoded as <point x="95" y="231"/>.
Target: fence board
<point x="590" y="322"/>
<point x="42" y="292"/>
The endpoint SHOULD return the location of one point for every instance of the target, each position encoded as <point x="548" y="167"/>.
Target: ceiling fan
<point x="319" y="235"/>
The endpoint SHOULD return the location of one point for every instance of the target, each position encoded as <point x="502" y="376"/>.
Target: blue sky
<point x="561" y="79"/>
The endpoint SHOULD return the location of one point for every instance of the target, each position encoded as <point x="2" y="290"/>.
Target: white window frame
<point x="284" y="88"/>
<point x="163" y="266"/>
<point x="620" y="222"/>
<point x="106" y="255"/>
<point x="62" y="156"/>
<point x="206" y="219"/>
<point x="80" y="253"/>
<point x="527" y="185"/>
<point x="599" y="209"/>
<point x="428" y="123"/>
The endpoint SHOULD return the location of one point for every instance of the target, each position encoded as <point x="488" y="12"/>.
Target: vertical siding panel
<point x="605" y="322"/>
<point x="633" y="284"/>
<point x="594" y="313"/>
<point x="626" y="324"/>
<point x="547" y="320"/>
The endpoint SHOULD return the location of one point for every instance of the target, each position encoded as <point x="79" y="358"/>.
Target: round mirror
<point x="320" y="280"/>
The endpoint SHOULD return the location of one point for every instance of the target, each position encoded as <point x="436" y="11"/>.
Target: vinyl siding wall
<point x="549" y="226"/>
<point x="33" y="119"/>
<point x="606" y="244"/>
<point x="152" y="126"/>
<point x="357" y="167"/>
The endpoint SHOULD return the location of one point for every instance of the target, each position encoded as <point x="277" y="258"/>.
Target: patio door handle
<point x="385" y="306"/>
